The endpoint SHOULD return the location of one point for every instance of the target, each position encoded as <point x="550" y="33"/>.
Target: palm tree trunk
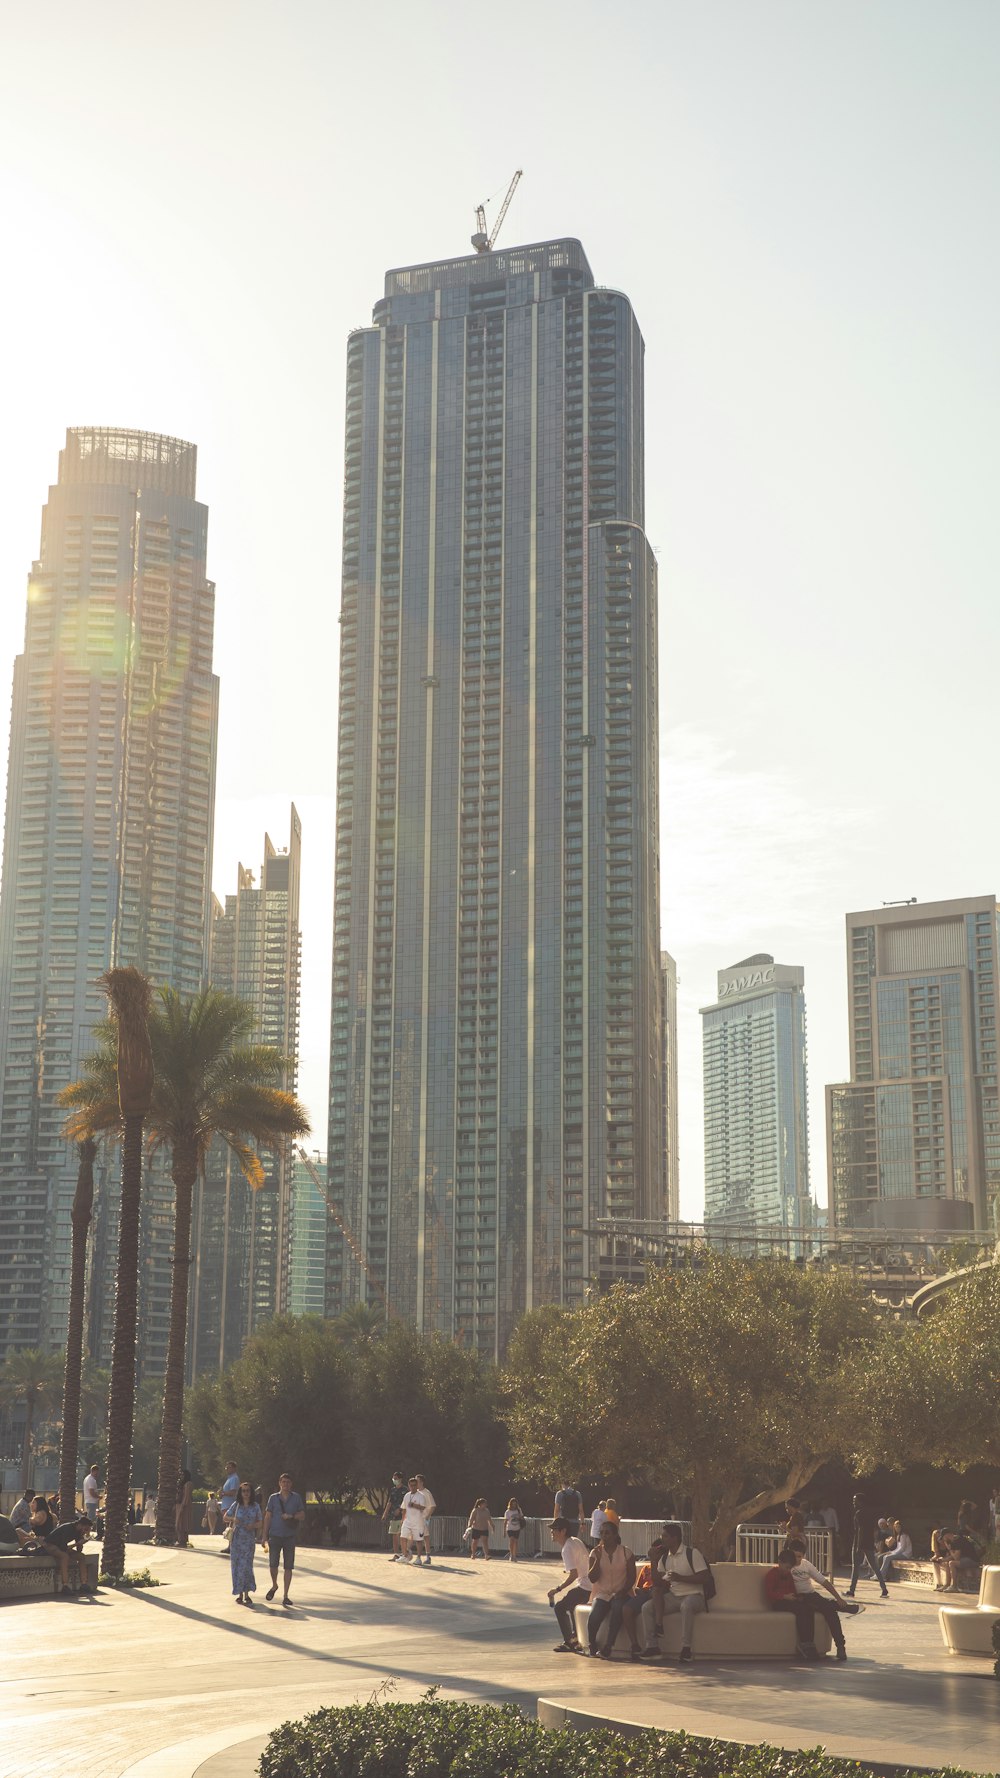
<point x="184" y="1173"/>
<point x="83" y="1207"/>
<point x="121" y="1400"/>
<point x="26" y="1444"/>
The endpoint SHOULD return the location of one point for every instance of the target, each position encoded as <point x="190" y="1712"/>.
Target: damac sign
<point x="738" y="984"/>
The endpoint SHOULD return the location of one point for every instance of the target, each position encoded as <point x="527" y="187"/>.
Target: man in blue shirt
<point x="229" y="1493"/>
<point x="283" y="1514"/>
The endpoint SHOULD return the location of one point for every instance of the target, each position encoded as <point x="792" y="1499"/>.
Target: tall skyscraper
<point x="495" y="1046"/>
<point x="756" y="1119"/>
<point x="913" y="1139"/>
<point x="668" y="1080"/>
<point x="241" y="1237"/>
<point x="108" y="835"/>
<point x="307" y="1241"/>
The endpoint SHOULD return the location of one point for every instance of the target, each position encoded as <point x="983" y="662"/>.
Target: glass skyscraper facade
<point x="241" y="1239"/>
<point x="495" y="1063"/>
<point x="914" y="1136"/>
<point x="107" y="843"/>
<point x="756" y="1108"/>
<point x="669" y="1087"/>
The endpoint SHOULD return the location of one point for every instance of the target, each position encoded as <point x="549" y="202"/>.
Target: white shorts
<point x="414" y="1526"/>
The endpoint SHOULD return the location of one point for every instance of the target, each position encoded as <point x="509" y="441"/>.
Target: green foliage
<point x="342" y="1406"/>
<point x="729" y="1381"/>
<point x="437" y="1739"/>
<point x="133" y="1577"/>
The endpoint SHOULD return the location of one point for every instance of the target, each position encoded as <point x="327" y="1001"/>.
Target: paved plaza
<point x="177" y="1681"/>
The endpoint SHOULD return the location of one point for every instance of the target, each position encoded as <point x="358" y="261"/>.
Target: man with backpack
<point x="682" y="1582"/>
<point x="569" y="1507"/>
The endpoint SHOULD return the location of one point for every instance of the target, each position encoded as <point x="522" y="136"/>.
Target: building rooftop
<point x="487" y="268"/>
<point x="122" y="457"/>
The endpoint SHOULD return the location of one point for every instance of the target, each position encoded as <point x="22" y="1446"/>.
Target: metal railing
<point x="761" y="1543"/>
<point x="364" y="1531"/>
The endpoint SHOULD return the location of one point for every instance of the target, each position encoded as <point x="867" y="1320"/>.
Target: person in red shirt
<point x="789" y="1587"/>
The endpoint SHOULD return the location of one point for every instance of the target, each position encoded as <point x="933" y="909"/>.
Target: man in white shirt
<point x="807" y="1580"/>
<point x="679" y="1577"/>
<point x="576" y="1561"/>
<point x="430" y="1508"/>
<point x="91" y="1493"/>
<point x="414" y="1522"/>
<point x="597" y="1519"/>
<point x="20" y="1514"/>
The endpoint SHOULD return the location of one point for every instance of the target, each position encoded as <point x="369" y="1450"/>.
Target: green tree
<point x="33" y="1377"/>
<point x="209" y="1082"/>
<point x="80" y="1219"/>
<point x="728" y="1382"/>
<point x="287" y="1403"/>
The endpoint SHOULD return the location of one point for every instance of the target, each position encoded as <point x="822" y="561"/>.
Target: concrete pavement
<point x="179" y="1680"/>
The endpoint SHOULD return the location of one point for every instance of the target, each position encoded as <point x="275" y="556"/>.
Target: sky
<point x="197" y="203"/>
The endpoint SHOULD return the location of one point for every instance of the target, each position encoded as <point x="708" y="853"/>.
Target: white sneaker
<point x="394" y="1558"/>
<point x="427" y="1561"/>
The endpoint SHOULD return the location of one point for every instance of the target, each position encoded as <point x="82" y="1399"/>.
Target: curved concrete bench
<point x="739" y="1622"/>
<point x="37" y="1577"/>
<point x="968" y="1629"/>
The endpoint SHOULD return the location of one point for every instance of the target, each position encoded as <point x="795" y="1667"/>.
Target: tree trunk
<point x="184" y="1172"/>
<point x="733" y="1511"/>
<point x="701" y="1515"/>
<point x="26" y="1443"/>
<point x="81" y="1214"/>
<point x="121" y="1399"/>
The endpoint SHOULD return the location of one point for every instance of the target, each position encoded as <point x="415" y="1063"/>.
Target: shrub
<point x="133" y="1577"/>
<point x="438" y="1739"/>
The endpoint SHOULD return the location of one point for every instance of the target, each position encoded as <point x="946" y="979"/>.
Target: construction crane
<point x="317" y="1180"/>
<point x="481" y="240"/>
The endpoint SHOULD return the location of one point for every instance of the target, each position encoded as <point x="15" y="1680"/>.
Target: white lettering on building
<point x="739" y="984"/>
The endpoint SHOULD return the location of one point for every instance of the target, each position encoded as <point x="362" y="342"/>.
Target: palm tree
<point x="80" y="1217"/>
<point x="359" y="1324"/>
<point x="130" y="1089"/>
<point x="209" y="1081"/>
<point x="31" y="1376"/>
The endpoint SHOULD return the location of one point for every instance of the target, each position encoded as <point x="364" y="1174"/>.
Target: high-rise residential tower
<point x="495" y="1071"/>
<point x="108" y="836"/>
<point x="668" y="1079"/>
<point x="913" y="1139"/>
<point x="241" y="1237"/>
<point x="756" y="1113"/>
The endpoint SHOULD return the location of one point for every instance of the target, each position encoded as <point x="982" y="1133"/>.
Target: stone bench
<point x="921" y="1574"/>
<point x="37" y="1577"/>
<point x="968" y="1629"/>
<point x="738" y="1623"/>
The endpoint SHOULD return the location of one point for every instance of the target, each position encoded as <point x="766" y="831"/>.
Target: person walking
<point x="863" y="1546"/>
<point x="283" y="1515"/>
<point x="480" y="1527"/>
<point x="513" y="1524"/>
<point x="182" y="1509"/>
<point x="412" y="1531"/>
<point x="211" y="1518"/>
<point x="430" y="1508"/>
<point x="576" y="1562"/>
<point x="245" y="1520"/>
<point x="568" y="1505"/>
<point x="91" y="1493"/>
<point x="394" y="1513"/>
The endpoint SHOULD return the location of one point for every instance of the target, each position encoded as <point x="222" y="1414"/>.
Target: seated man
<point x="54" y="1540"/>
<point x="679" y="1577"/>
<point x="899" y="1550"/>
<point x="577" y="1565"/>
<point x="791" y="1586"/>
<point x="612" y="1577"/>
<point x="20" y="1513"/>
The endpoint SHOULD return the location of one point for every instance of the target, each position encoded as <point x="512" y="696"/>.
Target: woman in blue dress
<point x="246" y="1518"/>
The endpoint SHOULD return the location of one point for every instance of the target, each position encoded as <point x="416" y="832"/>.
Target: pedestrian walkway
<point x="179" y="1681"/>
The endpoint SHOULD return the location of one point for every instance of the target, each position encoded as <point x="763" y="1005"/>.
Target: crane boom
<point x="505" y="206"/>
<point x="314" y="1175"/>
<point x="482" y="240"/>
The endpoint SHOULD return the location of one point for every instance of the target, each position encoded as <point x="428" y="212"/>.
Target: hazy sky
<point x="199" y="201"/>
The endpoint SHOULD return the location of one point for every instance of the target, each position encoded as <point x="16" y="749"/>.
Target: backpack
<point x="708" y="1578"/>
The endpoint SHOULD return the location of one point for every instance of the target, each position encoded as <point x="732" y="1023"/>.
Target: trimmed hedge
<point x="438" y="1739"/>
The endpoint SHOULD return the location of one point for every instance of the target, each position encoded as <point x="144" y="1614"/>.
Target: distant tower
<point x="494" y="1076"/>
<point x="108" y="839"/>
<point x="241" y="1237"/>
<point x="756" y="1123"/>
<point x="668" y="1083"/>
<point x="913" y="1139"/>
